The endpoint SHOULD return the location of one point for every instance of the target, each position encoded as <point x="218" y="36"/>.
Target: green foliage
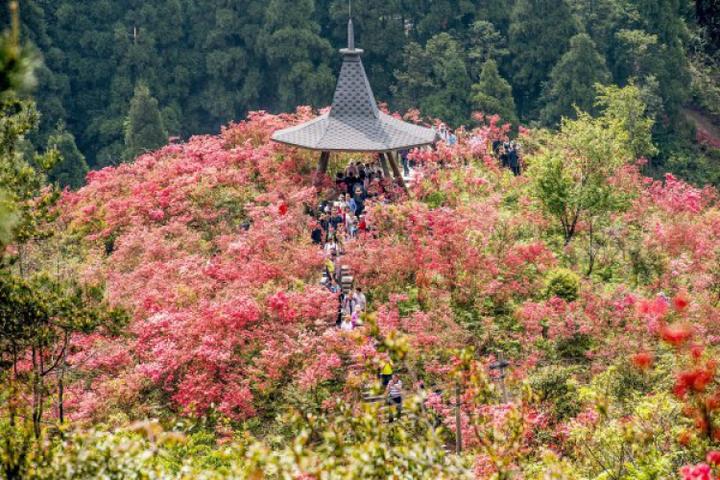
<point x="484" y="43"/>
<point x="492" y="94"/>
<point x="435" y="199"/>
<point x="625" y="113"/>
<point x="435" y="79"/>
<point x="144" y="128"/>
<point x="570" y="173"/>
<point x="573" y="81"/>
<point x="562" y="283"/>
<point x="17" y="62"/>
<point x="539" y="34"/>
<point x="637" y="448"/>
<point x="71" y="170"/>
<point x="557" y="386"/>
<point x="294" y="48"/>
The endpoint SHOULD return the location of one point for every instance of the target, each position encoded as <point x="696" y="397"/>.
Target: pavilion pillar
<point x="384" y="165"/>
<point x="396" y="169"/>
<point x="322" y="167"/>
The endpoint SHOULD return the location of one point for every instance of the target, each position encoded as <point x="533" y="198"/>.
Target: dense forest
<point x="189" y="67"/>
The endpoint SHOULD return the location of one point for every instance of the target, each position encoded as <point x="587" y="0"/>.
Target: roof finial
<point x="351" y="34"/>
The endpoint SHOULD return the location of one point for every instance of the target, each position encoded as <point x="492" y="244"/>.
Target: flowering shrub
<point x="610" y="336"/>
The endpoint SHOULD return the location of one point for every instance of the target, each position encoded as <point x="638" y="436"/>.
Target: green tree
<point x="540" y="32"/>
<point x="570" y="172"/>
<point x="71" y="168"/>
<point x="436" y="80"/>
<point x="483" y="42"/>
<point x="144" y="129"/>
<point x="19" y="181"/>
<point x="297" y="53"/>
<point x="492" y="94"/>
<point x="572" y="81"/>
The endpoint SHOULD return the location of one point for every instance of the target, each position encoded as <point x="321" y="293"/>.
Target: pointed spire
<point x="351" y="35"/>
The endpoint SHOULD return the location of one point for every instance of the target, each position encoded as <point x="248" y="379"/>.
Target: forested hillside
<point x="193" y="65"/>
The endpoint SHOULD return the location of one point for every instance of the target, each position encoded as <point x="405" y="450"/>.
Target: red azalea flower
<point x="283" y="209"/>
<point x="676" y="334"/>
<point x="713" y="457"/>
<point x="642" y="360"/>
<point x="680" y="302"/>
<point x="702" y="379"/>
<point x="696" y="351"/>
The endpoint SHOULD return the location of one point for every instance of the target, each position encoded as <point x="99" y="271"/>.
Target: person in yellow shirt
<point x="386" y="373"/>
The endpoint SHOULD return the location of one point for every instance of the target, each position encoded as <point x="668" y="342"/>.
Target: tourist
<point x="346" y="325"/>
<point x="359" y="298"/>
<point x="351" y="204"/>
<point x="330" y="246"/>
<point x="404" y="160"/>
<point x="317" y="234"/>
<point x="394" y="395"/>
<point x="504" y="159"/>
<point x="513" y="161"/>
<point x="443" y="132"/>
<point x="351" y="224"/>
<point x="362" y="224"/>
<point x="386" y="374"/>
<point x="355" y="317"/>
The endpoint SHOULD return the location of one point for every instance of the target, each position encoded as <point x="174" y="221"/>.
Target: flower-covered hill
<point x="206" y="244"/>
<point x="599" y="286"/>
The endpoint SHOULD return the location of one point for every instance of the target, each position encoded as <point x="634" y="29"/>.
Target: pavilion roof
<point x="354" y="122"/>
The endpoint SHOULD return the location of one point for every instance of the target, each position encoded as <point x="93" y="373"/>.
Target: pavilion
<point x="354" y="122"/>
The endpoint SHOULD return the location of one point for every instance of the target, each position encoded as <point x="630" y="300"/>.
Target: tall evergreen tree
<point x="71" y="168"/>
<point x="144" y="129"/>
<point x="483" y="42"/>
<point x="540" y="32"/>
<point x="663" y="19"/>
<point x="492" y="94"/>
<point x="573" y="79"/>
<point x="298" y="55"/>
<point x="435" y="79"/>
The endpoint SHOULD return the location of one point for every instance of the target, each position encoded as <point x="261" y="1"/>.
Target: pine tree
<point x="299" y="57"/>
<point x="492" y="94"/>
<point x="573" y="79"/>
<point x="435" y="79"/>
<point x="144" y="129"/>
<point x="483" y="42"/>
<point x="540" y="31"/>
<point x="71" y="169"/>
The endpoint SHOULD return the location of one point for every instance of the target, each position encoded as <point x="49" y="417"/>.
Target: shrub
<point x="562" y="283"/>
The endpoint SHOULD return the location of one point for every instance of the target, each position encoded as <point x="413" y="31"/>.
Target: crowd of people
<point x="338" y="222"/>
<point x="509" y="155"/>
<point x="341" y="220"/>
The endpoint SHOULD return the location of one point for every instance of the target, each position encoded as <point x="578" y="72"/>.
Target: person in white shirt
<point x="394" y="395"/>
<point x="359" y="298"/>
<point x="346" y="325"/>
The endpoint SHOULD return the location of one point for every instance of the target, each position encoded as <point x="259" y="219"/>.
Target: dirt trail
<point x="704" y="124"/>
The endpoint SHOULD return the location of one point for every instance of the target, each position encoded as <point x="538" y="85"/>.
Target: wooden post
<point x="322" y="167"/>
<point x="396" y="170"/>
<point x="501" y="364"/>
<point x="384" y="165"/>
<point x="458" y="429"/>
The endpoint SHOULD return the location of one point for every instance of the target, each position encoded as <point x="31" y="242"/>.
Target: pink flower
<point x="696" y="472"/>
<point x="713" y="457"/>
